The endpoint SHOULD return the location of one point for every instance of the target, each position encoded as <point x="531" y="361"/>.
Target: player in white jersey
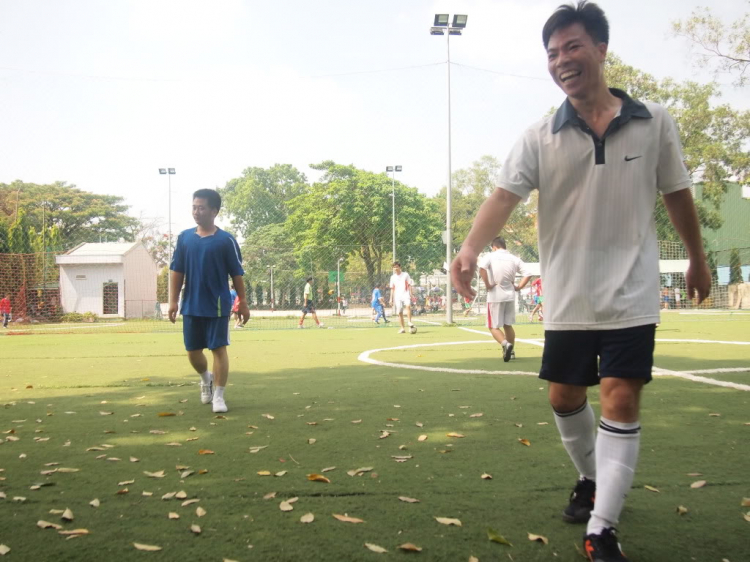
<point x="498" y="270"/>
<point x="401" y="294"/>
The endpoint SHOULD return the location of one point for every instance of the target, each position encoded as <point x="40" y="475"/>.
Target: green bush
<point x="72" y="317"/>
<point x="90" y="317"/>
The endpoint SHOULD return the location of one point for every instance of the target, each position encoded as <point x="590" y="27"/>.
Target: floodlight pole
<point x="393" y="170"/>
<point x="338" y="286"/>
<point x="169" y="173"/>
<point x="273" y="296"/>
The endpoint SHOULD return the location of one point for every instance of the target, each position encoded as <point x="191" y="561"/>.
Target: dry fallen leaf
<point x="74" y="532"/>
<point x="158" y="474"/>
<point x="200" y="512"/>
<point x="307" y="518"/>
<point x="347" y="519"/>
<point x="269" y="496"/>
<point x="264" y="473"/>
<point x="173" y="515"/>
<point x="694" y="474"/>
<point x="67" y="470"/>
<point x="195" y="529"/>
<point x="494" y="536"/>
<point x="409" y="547"/>
<point x="745" y="502"/>
<point x="106" y="413"/>
<point x="4" y="549"/>
<point x="681" y="510"/>
<point x="205" y="452"/>
<point x="407" y="499"/>
<point x="47" y="525"/>
<point x="473" y="559"/>
<point x="486" y="476"/>
<point x="166" y="414"/>
<point x="94" y="503"/>
<point x="652" y="489"/>
<point x="133" y="459"/>
<point x="189" y="502"/>
<point x="280" y="473"/>
<point x="454" y="434"/>
<point x="286" y="506"/>
<point x="169" y="495"/>
<point x="311" y="441"/>
<point x="181" y="495"/>
<point x="359" y="471"/>
<point x="328" y="469"/>
<point x="448" y="521"/>
<point x="356" y="421"/>
<point x="67" y="514"/>
<point x="318" y="478"/>
<point x="422" y="438"/>
<point x="126" y="482"/>
<point x="538" y="538"/>
<point x="477" y="415"/>
<point x="268" y="417"/>
<point x="146" y="547"/>
<point x="375" y="548"/>
<point x="698" y="484"/>
<point x="525" y="442"/>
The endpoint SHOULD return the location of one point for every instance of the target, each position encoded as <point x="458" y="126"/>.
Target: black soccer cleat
<point x="604" y="547"/>
<point x="508" y="352"/>
<point x="581" y="502"/>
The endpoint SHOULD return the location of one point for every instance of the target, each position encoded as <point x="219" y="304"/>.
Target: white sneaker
<point x="402" y="331"/>
<point x="207" y="392"/>
<point x="300" y="326"/>
<point x="219" y="406"/>
<point x="321" y="325"/>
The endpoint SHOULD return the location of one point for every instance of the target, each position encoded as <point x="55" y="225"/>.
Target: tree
<point x="267" y="247"/>
<point x="470" y="188"/>
<point x="79" y="216"/>
<point x="713" y="136"/>
<point x="348" y="214"/>
<point x="260" y="197"/>
<point x="735" y="267"/>
<point x="722" y="47"/>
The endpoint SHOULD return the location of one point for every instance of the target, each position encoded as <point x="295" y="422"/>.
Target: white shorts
<point x="501" y="313"/>
<point x="401" y="303"/>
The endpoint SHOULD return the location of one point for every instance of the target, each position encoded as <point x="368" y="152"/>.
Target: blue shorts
<point x="583" y="357"/>
<point x="201" y="332"/>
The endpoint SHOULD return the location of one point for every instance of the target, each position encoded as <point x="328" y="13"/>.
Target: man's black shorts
<point x="582" y="357"/>
<point x="309" y="308"/>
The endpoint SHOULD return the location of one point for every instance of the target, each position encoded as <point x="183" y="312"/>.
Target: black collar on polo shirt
<point x="630" y="108"/>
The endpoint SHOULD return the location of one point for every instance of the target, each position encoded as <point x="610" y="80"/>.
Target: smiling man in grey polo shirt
<point x="599" y="163"/>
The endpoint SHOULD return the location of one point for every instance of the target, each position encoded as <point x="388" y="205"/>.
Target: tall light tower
<point x="439" y="27"/>
<point x="169" y="173"/>
<point x="393" y="170"/>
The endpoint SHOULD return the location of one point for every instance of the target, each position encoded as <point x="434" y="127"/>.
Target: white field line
<point x="426" y="322"/>
<point x="689" y="375"/>
<point x="714" y="313"/>
<point x="704" y="341"/>
<point x="665" y="372"/>
<point x="365" y="358"/>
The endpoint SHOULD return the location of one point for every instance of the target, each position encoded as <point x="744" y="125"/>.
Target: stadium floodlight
<point x="441" y="20"/>
<point x="459" y="20"/>
<point x="169" y="172"/>
<point x="459" y="23"/>
<point x="393" y="170"/>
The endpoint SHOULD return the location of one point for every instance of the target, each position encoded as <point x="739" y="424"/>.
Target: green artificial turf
<point x="61" y="388"/>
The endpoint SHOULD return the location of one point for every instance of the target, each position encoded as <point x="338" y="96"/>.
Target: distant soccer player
<point x="204" y="259"/>
<point x="498" y="270"/>
<point x="5" y="310"/>
<point x="599" y="163"/>
<point x="308" y="306"/>
<point x="536" y="288"/>
<point x="401" y="294"/>
<point x="378" y="305"/>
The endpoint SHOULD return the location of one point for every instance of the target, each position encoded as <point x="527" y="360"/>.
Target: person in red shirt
<point x="536" y="288"/>
<point x="5" y="310"/>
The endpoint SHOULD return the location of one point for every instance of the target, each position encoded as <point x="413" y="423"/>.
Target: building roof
<point x="90" y="252"/>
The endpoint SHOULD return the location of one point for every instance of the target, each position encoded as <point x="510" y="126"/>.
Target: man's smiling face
<point x="575" y="61"/>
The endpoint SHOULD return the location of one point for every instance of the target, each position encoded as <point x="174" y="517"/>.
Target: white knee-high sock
<point x="617" y="447"/>
<point x="577" y="432"/>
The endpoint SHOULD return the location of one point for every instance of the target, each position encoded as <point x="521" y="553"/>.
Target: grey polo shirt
<point x="599" y="256"/>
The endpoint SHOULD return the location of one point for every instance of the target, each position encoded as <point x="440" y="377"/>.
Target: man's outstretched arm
<point x="490" y="219"/>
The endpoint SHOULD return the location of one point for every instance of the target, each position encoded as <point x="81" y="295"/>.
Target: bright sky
<point x="102" y="94"/>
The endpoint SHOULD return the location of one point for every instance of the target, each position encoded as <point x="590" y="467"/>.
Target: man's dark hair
<point x="398" y="263"/>
<point x="308" y="279"/>
<point x="499" y="242"/>
<point x="588" y="14"/>
<point x="211" y="196"/>
<point x="377" y="285"/>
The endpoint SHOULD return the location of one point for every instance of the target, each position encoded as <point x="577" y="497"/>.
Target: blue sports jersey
<point x="207" y="263"/>
<point x="375" y="297"/>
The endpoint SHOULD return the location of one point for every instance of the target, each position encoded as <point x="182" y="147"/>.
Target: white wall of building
<point x="140" y="283"/>
<point x="82" y="286"/>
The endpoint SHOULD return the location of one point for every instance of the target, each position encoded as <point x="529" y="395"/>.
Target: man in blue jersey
<point x="204" y="259"/>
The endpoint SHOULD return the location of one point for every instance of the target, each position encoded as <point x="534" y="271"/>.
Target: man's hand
<point x="698" y="279"/>
<point x="462" y="272"/>
<point x="244" y="312"/>
<point x="173" y="312"/>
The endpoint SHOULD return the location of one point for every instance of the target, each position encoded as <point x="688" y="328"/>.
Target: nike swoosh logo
<point x="629" y="158"/>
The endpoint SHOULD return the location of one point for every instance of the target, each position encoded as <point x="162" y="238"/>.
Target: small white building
<point x="112" y="280"/>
